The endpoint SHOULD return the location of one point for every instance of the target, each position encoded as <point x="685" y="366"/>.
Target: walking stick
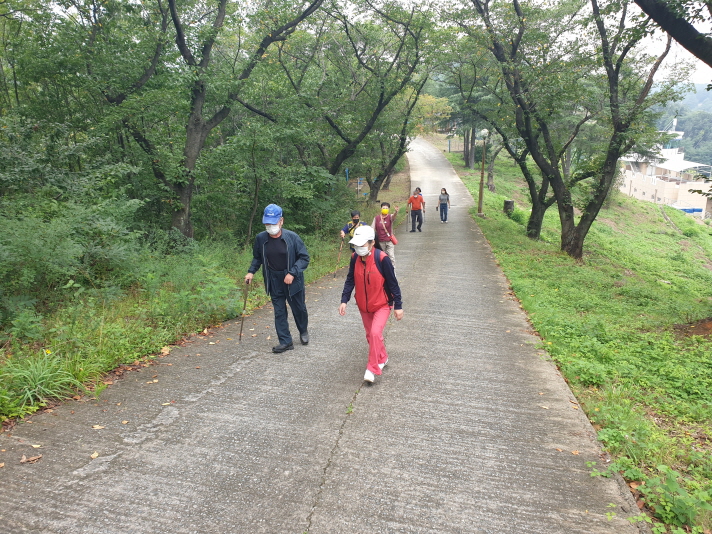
<point x="339" y="258"/>
<point x="244" y="305"/>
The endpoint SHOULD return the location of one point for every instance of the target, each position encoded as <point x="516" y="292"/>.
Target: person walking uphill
<point x="283" y="257"/>
<point x="383" y="227"/>
<point x="416" y="203"/>
<point x="371" y="274"/>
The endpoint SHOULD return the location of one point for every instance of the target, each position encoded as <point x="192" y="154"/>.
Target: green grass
<point x="609" y="323"/>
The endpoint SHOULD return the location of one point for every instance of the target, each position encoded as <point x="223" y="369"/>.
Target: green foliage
<point x="672" y="502"/>
<point x="35" y="379"/>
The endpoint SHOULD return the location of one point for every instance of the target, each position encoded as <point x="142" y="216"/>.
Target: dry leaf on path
<point x="30" y="460"/>
<point x="166" y="350"/>
<point x="36" y="446"/>
<point x="575" y="452"/>
<point x="2" y="465"/>
<point x="124" y="422"/>
<point x="94" y="455"/>
<point x="97" y="427"/>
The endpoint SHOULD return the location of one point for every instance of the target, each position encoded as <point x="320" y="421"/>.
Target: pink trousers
<point x="374" y="323"/>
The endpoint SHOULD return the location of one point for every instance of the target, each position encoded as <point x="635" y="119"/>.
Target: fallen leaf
<point x="634" y="485"/>
<point x="118" y="404"/>
<point x="229" y="339"/>
<point x="254" y="335"/>
<point x="198" y="367"/>
<point x="545" y="407"/>
<point x="269" y="337"/>
<point x="575" y="407"/>
<point x="205" y="331"/>
<point x="97" y="427"/>
<point x="94" y="455"/>
<point x="76" y="397"/>
<point x="36" y="446"/>
<point x="251" y="329"/>
<point x="149" y="382"/>
<point x="166" y="404"/>
<point x="155" y="381"/>
<point x="30" y="460"/>
<point x="560" y="450"/>
<point x="575" y="452"/>
<point x="2" y="465"/>
<point x="166" y="350"/>
<point x="154" y="376"/>
<point x="540" y="393"/>
<point x="211" y="343"/>
<point x="108" y="382"/>
<point x="124" y="422"/>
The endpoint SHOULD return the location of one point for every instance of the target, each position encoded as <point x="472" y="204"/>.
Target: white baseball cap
<point x="363" y="235"/>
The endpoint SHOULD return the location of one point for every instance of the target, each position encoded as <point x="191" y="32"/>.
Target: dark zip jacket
<point x="297" y="259"/>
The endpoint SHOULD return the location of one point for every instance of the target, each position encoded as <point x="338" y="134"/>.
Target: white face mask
<point x="272" y="229"/>
<point x="361" y="251"/>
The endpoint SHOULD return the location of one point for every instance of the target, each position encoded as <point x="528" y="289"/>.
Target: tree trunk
<point x="536" y="219"/>
<point x="490" y="170"/>
<point x="466" y="146"/>
<point x="387" y="183"/>
<point x="180" y="219"/>
<point x="471" y="154"/>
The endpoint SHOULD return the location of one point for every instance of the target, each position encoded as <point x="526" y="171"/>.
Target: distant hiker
<point x="383" y="227"/>
<point x="371" y="274"/>
<point x="416" y="203"/>
<point x="350" y="228"/>
<point x="284" y="258"/>
<point x="444" y="201"/>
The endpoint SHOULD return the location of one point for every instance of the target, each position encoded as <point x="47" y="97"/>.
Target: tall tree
<point x="676" y="17"/>
<point x="552" y="92"/>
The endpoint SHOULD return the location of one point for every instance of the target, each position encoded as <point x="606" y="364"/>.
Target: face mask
<point x="361" y="251"/>
<point x="272" y="229"/>
<point x="355" y="221"/>
<point x="385" y="211"/>
<point x="442" y="192"/>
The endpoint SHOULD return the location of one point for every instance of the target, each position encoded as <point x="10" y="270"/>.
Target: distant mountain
<point x="700" y="100"/>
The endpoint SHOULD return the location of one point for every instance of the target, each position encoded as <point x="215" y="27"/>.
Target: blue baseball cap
<point x="272" y="214"/>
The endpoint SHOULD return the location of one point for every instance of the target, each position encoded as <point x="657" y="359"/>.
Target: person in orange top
<point x="416" y="203"/>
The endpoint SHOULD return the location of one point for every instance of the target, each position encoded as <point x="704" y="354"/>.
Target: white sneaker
<point x="369" y="376"/>
<point x="382" y="365"/>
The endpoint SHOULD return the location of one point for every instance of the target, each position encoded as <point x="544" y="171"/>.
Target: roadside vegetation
<point x="622" y="326"/>
<point x="59" y="343"/>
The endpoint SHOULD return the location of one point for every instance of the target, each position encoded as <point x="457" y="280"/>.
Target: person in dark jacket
<point x="350" y="228"/>
<point x="377" y="291"/>
<point x="283" y="257"/>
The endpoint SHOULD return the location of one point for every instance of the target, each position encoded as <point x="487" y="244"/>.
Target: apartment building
<point x="668" y="179"/>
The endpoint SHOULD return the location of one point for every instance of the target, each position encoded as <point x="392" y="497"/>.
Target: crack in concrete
<point x="329" y="461"/>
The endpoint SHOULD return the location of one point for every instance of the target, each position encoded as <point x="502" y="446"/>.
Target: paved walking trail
<point x="459" y="435"/>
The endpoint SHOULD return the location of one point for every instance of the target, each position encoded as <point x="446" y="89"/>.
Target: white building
<point x="668" y="179"/>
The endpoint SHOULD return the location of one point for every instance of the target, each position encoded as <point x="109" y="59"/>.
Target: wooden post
<point x="508" y="207"/>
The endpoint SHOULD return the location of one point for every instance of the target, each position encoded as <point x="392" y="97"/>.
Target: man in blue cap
<point x="283" y="258"/>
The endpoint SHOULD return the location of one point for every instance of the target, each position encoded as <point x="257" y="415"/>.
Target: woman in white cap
<point x="377" y="292"/>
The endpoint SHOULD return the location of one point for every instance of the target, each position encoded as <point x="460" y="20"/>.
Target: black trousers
<point x="279" y="293"/>
<point x="416" y="215"/>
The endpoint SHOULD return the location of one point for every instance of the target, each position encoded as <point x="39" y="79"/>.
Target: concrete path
<point x="470" y="429"/>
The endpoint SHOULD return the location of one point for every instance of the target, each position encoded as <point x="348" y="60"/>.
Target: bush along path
<point x="629" y="328"/>
<point x="469" y="428"/>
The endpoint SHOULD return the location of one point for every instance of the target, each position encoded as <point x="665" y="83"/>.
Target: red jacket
<point x="369" y="283"/>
